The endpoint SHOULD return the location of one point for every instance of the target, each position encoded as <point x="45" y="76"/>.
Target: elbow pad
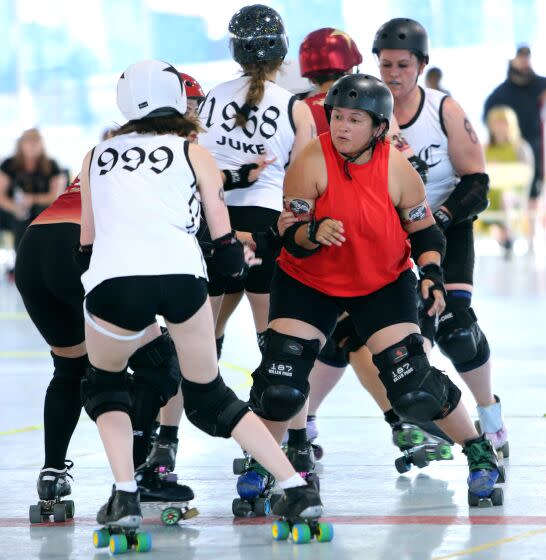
<point x="469" y="197"/>
<point x="290" y="244"/>
<point x="428" y="239"/>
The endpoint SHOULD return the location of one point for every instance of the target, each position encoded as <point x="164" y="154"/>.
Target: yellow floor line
<point x="492" y="544"/>
<point x="22" y="430"/>
<point x="248" y="374"/>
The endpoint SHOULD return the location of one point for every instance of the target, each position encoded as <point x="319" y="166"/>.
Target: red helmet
<point x="193" y="89"/>
<point x="327" y="50"/>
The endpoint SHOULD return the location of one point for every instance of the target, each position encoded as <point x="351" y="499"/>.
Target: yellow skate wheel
<point x="325" y="532"/>
<point x="101" y="538"/>
<point x="301" y="533"/>
<point x="280" y="530"/>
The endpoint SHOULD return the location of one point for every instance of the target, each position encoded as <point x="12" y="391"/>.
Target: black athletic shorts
<point x="458" y="267"/>
<point x="48" y="280"/>
<point x="132" y="302"/>
<point x="253" y="219"/>
<point x="392" y="304"/>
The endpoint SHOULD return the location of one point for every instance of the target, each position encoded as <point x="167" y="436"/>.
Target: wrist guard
<point x="228" y="256"/>
<point x="443" y="219"/>
<point x="435" y="273"/>
<point x="290" y="244"/>
<point x="238" y="178"/>
<point x="312" y="229"/>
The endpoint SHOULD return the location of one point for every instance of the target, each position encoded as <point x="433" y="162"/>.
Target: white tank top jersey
<point x="269" y="132"/>
<point x="146" y="209"/>
<point x="426" y="135"/>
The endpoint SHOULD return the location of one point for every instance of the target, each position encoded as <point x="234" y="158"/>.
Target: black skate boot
<point x="163" y="454"/>
<point x="160" y="492"/>
<point x="121" y="516"/>
<point x="299" y="509"/>
<point x="302" y="459"/>
<point x="53" y="485"/>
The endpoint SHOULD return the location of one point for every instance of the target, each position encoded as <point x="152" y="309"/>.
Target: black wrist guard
<point x="238" y="178"/>
<point x="228" y="258"/>
<point x="269" y="240"/>
<point x="421" y="166"/>
<point x="312" y="229"/>
<point x="435" y="273"/>
<point x="82" y="256"/>
<point x="443" y="219"/>
<point x="290" y="244"/>
<point x="428" y="239"/>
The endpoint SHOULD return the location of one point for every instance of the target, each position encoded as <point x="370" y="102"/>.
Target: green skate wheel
<point x="143" y="542"/>
<point x="69" y="505"/>
<point x="59" y="513"/>
<point x="101" y="538"/>
<point x="170" y="516"/>
<point x="118" y="544"/>
<point x="417" y="436"/>
<point x="280" y="530"/>
<point x="325" y="532"/>
<point x="445" y="452"/>
<point x="301" y="533"/>
<point x="35" y="514"/>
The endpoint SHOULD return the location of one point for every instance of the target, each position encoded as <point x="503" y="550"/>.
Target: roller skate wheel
<point x="473" y="500"/>
<point x="70" y="509"/>
<point x="240" y="508"/>
<point x="274" y="498"/>
<point x="101" y="538"/>
<point x="420" y="458"/>
<point x="190" y="513"/>
<point x="301" y="533"/>
<point x="502" y="475"/>
<point x="143" y="542"/>
<point x="118" y="544"/>
<point x="170" y="516"/>
<point x="402" y="465"/>
<point x="239" y="466"/>
<point x="280" y="530"/>
<point x="35" y="514"/>
<point x="445" y="452"/>
<point x="261" y="507"/>
<point x="325" y="532"/>
<point x="505" y="450"/>
<point x="59" y="513"/>
<point x="417" y="436"/>
<point x="318" y="451"/>
<point x="497" y="497"/>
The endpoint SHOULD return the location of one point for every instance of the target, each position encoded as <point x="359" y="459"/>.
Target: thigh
<point x="293" y="300"/>
<point x="458" y="263"/>
<point x="394" y="303"/>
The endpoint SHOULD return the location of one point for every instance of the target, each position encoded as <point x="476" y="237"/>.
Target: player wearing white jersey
<point x="140" y="210"/>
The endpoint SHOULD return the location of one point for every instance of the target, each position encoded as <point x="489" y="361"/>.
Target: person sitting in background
<point x="510" y="164"/>
<point x="29" y="182"/>
<point x="433" y="79"/>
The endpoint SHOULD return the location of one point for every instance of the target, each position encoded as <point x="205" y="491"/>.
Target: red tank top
<point x="67" y="208"/>
<point x="316" y="104"/>
<point x="376" y="250"/>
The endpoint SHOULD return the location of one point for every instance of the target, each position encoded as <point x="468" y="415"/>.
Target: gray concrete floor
<point x="377" y="513"/>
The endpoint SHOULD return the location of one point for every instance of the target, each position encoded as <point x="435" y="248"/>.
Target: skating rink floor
<point x="377" y="513"/>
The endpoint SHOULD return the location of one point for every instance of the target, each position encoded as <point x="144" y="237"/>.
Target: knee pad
<point x="68" y="372"/>
<point x="417" y="391"/>
<point x="213" y="407"/>
<point x="105" y="391"/>
<point x="155" y="366"/>
<point x="333" y="355"/>
<point x="280" y="384"/>
<point x="460" y="338"/>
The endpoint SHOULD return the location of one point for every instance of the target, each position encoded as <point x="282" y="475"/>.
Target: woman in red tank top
<point x="357" y="203"/>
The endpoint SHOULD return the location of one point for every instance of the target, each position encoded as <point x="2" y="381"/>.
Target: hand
<point x="327" y="232"/>
<point x="286" y="219"/>
<point x="250" y="257"/>
<point x="262" y="164"/>
<point x="434" y="298"/>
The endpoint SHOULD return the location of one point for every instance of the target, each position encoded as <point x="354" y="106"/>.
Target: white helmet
<point x="150" y="86"/>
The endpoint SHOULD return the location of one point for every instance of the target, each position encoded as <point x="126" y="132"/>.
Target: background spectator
<point x="433" y="79"/>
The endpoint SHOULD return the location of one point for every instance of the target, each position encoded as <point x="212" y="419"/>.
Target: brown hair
<point x="44" y="163"/>
<point x="258" y="72"/>
<point x="172" y="124"/>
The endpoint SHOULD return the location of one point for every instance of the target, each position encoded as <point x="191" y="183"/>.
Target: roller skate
<point x="299" y="510"/>
<point x="254" y="487"/>
<point x="53" y="485"/>
<point x="121" y="517"/>
<point x="163" y="454"/>
<point x="485" y="472"/>
<point x="420" y="444"/>
<point x="302" y="458"/>
<point x="161" y="493"/>
<point x="312" y="434"/>
<point x="492" y="425"/>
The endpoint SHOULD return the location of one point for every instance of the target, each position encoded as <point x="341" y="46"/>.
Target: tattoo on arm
<point x="221" y="194"/>
<point x="415" y="213"/>
<point x="399" y="142"/>
<point x="468" y="127"/>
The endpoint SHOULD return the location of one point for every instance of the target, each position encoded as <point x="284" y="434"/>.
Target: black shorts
<point x="132" y="302"/>
<point x="394" y="303"/>
<point x="48" y="280"/>
<point x="258" y="279"/>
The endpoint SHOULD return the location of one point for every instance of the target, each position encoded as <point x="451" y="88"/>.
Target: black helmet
<point x="360" y="91"/>
<point x="257" y="34"/>
<point x="402" y="33"/>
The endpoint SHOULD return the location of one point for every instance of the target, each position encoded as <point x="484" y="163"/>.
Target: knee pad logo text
<point x="280" y="369"/>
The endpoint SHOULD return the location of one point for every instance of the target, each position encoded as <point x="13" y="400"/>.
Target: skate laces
<point x="256" y="467"/>
<point x="479" y="455"/>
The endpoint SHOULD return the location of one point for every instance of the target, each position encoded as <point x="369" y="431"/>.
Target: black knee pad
<point x="155" y="365"/>
<point x="417" y="391"/>
<point x="105" y="391"/>
<point x="68" y="372"/>
<point x="460" y="338"/>
<point x="333" y="355"/>
<point x="213" y="407"/>
<point x="281" y="385"/>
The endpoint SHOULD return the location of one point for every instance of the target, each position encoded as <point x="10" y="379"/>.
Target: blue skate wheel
<point x="280" y="530"/>
<point x="325" y="532"/>
<point x="143" y="542"/>
<point x="301" y="533"/>
<point x="118" y="544"/>
<point x="101" y="538"/>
